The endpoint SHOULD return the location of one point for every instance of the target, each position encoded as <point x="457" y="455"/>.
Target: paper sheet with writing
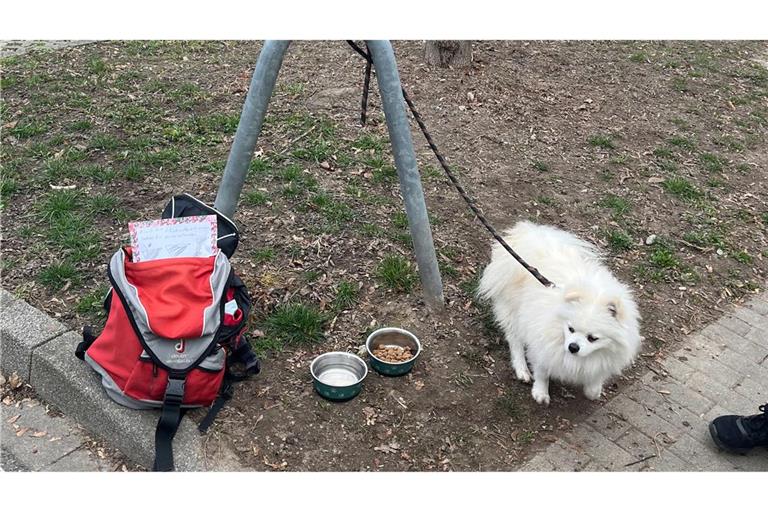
<point x="180" y="237"/>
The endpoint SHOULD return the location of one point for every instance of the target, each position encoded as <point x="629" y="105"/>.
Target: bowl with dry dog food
<point x="392" y="351"/>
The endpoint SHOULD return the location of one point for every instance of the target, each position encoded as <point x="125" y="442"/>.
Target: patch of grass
<point x="161" y="157"/>
<point x="368" y="141"/>
<point x="316" y="151"/>
<point x="682" y="188"/>
<point x="92" y="304"/>
<point x="680" y="84"/>
<point x="97" y="172"/>
<point x="104" y="141"/>
<point x="133" y="171"/>
<point x="619" y="240"/>
<point x="446" y="269"/>
<point x="58" y="203"/>
<point x="663" y="257"/>
<point x="619" y="159"/>
<point x="81" y="126"/>
<point x="373" y="231"/>
<point x="667" y="166"/>
<point x="28" y="130"/>
<point x="682" y="142"/>
<point x="255" y="198"/>
<point x="546" y="200"/>
<point x="216" y="123"/>
<point x="56" y="275"/>
<point x="346" y="295"/>
<point x="294" y="88"/>
<point x="619" y="205"/>
<point x="260" y="165"/>
<point x="75" y="234"/>
<point x="295" y="323"/>
<point x="39" y="150"/>
<point x="540" y="166"/>
<point x="663" y="153"/>
<point x="102" y="203"/>
<point x="97" y="66"/>
<point x="639" y="57"/>
<point x="743" y="257"/>
<point x="263" y="255"/>
<point x="711" y="162"/>
<point x="383" y="171"/>
<point x="186" y="95"/>
<point x="400" y="220"/>
<point x="510" y="404"/>
<point x="602" y="141"/>
<point x="730" y="143"/>
<point x="337" y="212"/>
<point x="8" y="187"/>
<point x="396" y="273"/>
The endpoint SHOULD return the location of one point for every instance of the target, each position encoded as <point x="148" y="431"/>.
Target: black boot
<point x="740" y="434"/>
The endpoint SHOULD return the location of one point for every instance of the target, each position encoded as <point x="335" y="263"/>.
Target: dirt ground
<point x="614" y="141"/>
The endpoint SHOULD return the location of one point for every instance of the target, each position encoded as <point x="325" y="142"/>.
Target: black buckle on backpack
<point x="174" y="391"/>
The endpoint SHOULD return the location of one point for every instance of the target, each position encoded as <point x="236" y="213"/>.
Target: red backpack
<point x="174" y="329"/>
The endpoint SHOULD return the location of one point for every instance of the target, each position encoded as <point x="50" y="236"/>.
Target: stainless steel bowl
<point x="338" y="376"/>
<point x="392" y="336"/>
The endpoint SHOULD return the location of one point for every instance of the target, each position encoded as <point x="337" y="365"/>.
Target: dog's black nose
<point x="573" y="348"/>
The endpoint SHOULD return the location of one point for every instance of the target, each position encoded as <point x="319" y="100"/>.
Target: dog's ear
<point x="616" y="310"/>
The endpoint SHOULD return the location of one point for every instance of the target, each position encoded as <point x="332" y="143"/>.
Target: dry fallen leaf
<point x="14" y="381"/>
<point x="39" y="434"/>
<point x="418" y="384"/>
<point x="13" y="420"/>
<point x="21" y="432"/>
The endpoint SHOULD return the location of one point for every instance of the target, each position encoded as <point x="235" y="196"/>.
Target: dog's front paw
<point x="540" y="395"/>
<point x="523" y="373"/>
<point x="593" y="392"/>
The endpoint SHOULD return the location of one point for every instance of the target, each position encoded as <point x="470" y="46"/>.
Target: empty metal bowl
<point x="392" y="336"/>
<point x="338" y="376"/>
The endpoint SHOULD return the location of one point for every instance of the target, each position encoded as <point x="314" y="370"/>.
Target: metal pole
<point x="249" y="128"/>
<point x="405" y="160"/>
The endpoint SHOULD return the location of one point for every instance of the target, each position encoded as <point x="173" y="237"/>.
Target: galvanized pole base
<point x="248" y="130"/>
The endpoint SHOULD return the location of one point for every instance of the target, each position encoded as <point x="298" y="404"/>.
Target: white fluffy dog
<point x="582" y="332"/>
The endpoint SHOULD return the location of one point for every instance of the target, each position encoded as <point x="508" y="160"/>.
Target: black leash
<point x="471" y="202"/>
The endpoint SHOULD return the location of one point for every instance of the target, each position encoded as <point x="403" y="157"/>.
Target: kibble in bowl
<point x="392" y="351"/>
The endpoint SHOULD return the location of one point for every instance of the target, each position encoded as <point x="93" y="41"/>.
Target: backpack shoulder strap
<point x="170" y="417"/>
<point x="243" y="353"/>
<point x="88" y="339"/>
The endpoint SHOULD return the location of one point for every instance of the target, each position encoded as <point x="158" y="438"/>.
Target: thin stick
<point x="639" y="461"/>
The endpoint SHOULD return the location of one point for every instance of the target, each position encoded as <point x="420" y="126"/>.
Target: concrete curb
<point x="42" y="350"/>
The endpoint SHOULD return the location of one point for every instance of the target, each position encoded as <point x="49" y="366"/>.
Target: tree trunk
<point x="457" y="54"/>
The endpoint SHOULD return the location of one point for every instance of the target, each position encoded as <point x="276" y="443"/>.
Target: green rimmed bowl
<point x="338" y="376"/>
<point x="387" y="337"/>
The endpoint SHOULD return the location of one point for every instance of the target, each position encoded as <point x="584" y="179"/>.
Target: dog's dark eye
<point x="591" y="338"/>
<point x="571" y="329"/>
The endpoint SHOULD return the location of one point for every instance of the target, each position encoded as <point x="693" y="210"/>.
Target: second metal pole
<point x="405" y="160"/>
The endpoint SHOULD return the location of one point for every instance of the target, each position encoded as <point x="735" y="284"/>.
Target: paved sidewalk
<point x="33" y="438"/>
<point x="12" y="47"/>
<point x="660" y="423"/>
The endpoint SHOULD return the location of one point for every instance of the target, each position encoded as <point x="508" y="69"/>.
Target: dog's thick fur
<point x="582" y="332"/>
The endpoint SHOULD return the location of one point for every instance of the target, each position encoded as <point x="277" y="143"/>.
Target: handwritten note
<point x="180" y="237"/>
